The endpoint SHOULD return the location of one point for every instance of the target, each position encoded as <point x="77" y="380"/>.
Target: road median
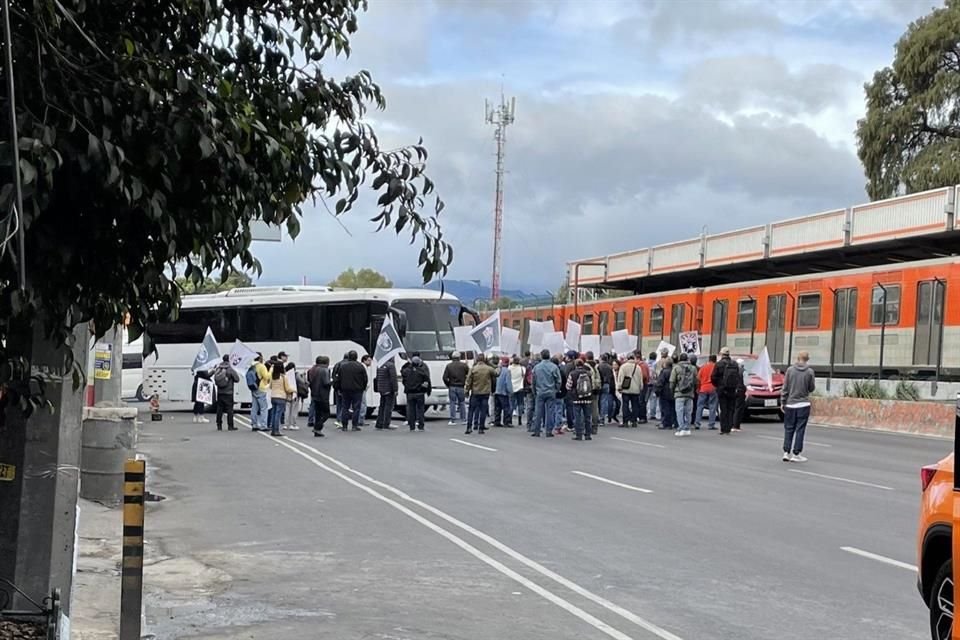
<point x="935" y="419"/>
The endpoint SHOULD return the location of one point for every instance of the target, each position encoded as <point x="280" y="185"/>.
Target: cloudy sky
<point x="638" y="122"/>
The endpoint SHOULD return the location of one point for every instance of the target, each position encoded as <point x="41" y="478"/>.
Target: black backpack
<point x="731" y="378"/>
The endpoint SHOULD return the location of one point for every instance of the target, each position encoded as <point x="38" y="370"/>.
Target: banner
<point x="205" y="391"/>
<point x="590" y="343"/>
<point x="209" y="353"/>
<point x="389" y="345"/>
<point x="487" y="333"/>
<point x="537" y="331"/>
<point x="623" y="342"/>
<point x="665" y="345"/>
<point x="690" y="343"/>
<point x="574" y="330"/>
<point x="509" y="341"/>
<point x="462" y="340"/>
<point x="553" y="342"/>
<point x="241" y="357"/>
<point x="762" y="368"/>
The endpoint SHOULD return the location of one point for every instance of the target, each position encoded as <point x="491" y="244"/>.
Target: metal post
<point x="943" y="319"/>
<point x="793" y="326"/>
<point x="753" y="322"/>
<point x="14" y="136"/>
<point x="131" y="587"/>
<point x="833" y="336"/>
<point x="883" y="332"/>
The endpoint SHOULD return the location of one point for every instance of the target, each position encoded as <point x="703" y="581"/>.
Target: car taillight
<point x="926" y="476"/>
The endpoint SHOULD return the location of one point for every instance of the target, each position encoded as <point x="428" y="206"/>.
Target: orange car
<point x="935" y="579"/>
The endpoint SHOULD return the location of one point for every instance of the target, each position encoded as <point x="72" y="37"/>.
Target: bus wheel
<point x="140" y="396"/>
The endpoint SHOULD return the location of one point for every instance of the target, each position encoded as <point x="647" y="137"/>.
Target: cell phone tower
<point x="499" y="116"/>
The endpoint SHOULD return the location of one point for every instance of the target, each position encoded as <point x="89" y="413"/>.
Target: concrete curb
<point x="930" y="419"/>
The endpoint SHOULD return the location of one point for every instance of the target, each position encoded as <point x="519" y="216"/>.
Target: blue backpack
<point x="253" y="380"/>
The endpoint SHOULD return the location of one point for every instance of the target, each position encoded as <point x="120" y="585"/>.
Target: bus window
<point x="429" y="325"/>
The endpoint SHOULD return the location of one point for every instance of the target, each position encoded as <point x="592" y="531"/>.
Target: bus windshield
<point x="430" y="325"/>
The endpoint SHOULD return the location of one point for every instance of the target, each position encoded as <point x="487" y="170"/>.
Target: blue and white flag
<point x="487" y="334"/>
<point x="389" y="345"/>
<point x="209" y="353"/>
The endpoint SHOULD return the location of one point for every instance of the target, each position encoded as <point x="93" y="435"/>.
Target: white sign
<point x="666" y="345"/>
<point x="574" y="330"/>
<point x="306" y="352"/>
<point x="553" y="342"/>
<point x="241" y="356"/>
<point x="536" y="333"/>
<point x="590" y="343"/>
<point x="623" y="342"/>
<point x="462" y="339"/>
<point x="509" y="341"/>
<point x="606" y="344"/>
<point x="205" y="391"/>
<point x="690" y="343"/>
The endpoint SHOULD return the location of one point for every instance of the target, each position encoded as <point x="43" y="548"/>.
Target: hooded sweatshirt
<point x="798" y="384"/>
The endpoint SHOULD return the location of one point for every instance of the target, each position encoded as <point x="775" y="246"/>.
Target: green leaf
<point x="28" y="172"/>
<point x="129" y="45"/>
<point x="206" y="147"/>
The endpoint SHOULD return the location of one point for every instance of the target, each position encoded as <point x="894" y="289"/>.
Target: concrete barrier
<point x="921" y="418"/>
<point x="108" y="438"/>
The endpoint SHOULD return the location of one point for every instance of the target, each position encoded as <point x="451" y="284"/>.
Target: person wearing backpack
<point x="726" y="378"/>
<point x="580" y="393"/>
<point x="224" y="377"/>
<point x="630" y="383"/>
<point x="595" y="405"/>
<point x="684" y="383"/>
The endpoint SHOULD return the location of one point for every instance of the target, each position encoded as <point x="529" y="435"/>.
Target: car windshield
<point x="430" y="325"/>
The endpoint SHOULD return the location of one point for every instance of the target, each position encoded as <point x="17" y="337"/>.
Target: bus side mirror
<point x="467" y="311"/>
<point x="401" y="321"/>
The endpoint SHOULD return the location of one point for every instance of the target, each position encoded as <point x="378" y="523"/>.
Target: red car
<point x="761" y="399"/>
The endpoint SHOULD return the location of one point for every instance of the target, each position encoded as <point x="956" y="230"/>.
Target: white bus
<point x="272" y="319"/>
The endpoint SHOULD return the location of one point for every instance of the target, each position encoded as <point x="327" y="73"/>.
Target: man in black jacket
<point x="225" y="378"/>
<point x="386" y="385"/>
<point x="608" y="389"/>
<point x="337" y="400"/>
<point x="351" y="378"/>
<point x="455" y="379"/>
<point x="416" y="384"/>
<point x="726" y="378"/>
<point x="320" y="382"/>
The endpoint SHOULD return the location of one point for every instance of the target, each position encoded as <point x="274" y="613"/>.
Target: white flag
<point x="573" y="334"/>
<point x="389" y="345"/>
<point x="241" y="356"/>
<point x="487" y="333"/>
<point x="209" y="353"/>
<point x="763" y="370"/>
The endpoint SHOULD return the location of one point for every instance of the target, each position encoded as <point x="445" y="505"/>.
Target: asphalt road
<point x="638" y="534"/>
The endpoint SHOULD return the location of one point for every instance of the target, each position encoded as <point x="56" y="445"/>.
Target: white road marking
<point x="613" y="482"/>
<point x="644" y="624"/>
<point x="639" y="442"/>
<point x="470" y="444"/>
<point x="571" y="608"/>
<point x="805" y="442"/>
<point x="879" y="558"/>
<point x="839" y="479"/>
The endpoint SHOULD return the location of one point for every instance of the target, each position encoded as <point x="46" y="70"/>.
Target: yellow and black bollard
<point x="131" y="589"/>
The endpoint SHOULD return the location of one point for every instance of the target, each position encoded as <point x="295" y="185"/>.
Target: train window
<point x="746" y="315"/>
<point x="619" y="320"/>
<point x="588" y="324"/>
<point x="604" y="322"/>
<point x="808" y="311"/>
<point x="656" y="320"/>
<point x="892" y="305"/>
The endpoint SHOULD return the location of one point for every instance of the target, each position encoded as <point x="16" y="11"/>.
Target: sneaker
<point x="390" y="427"/>
<point x="578" y="438"/>
<point x="284" y="427"/>
<point x="196" y="418"/>
<point x="355" y="429"/>
<point x="203" y="420"/>
<point x="277" y="435"/>
<point x="787" y="457"/>
<point x="468" y="432"/>
<point x="797" y="458"/>
<point x="588" y="437"/>
<point x="451" y="424"/>
<point x="293" y="428"/>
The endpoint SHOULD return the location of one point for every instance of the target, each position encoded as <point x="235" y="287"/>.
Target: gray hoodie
<point x="798" y="384"/>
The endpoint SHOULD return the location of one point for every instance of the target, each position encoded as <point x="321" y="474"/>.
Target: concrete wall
<point x="921" y="418"/>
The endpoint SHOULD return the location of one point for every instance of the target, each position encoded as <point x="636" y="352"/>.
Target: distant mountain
<point x="468" y="291"/>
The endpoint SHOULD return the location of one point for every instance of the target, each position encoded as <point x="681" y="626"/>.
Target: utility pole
<point x="499" y="116"/>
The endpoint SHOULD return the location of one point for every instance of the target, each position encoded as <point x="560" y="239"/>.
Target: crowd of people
<point x="553" y="394"/>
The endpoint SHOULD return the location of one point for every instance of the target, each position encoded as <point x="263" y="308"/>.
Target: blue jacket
<point x="504" y="383"/>
<point x="546" y="378"/>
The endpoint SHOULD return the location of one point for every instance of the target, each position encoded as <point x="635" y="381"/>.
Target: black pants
<point x="501" y="411"/>
<point x="416" y="406"/>
<point x="740" y="410"/>
<point x="385" y="410"/>
<point x="321" y="413"/>
<point x="352" y="401"/>
<point x="198" y="408"/>
<point x="728" y="411"/>
<point x="224" y="406"/>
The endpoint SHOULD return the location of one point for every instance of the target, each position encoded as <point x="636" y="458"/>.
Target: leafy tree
<point x="363" y="279"/>
<point x="150" y="137"/>
<point x="235" y="279"/>
<point x="910" y="138"/>
<point x="503" y="303"/>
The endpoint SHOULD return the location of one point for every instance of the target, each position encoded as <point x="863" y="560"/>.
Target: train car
<point x="890" y="320"/>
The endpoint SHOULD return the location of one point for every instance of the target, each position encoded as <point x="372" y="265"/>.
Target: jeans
<point x="668" y="412"/>
<point x="559" y="413"/>
<point x="531" y="403"/>
<point x="416" y="406"/>
<point x="653" y="404"/>
<point x="258" y="411"/>
<point x="709" y="401"/>
<point x="385" y="410"/>
<point x="479" y="410"/>
<point x="293" y="411"/>
<point x="277" y="413"/>
<point x="794" y="427"/>
<point x="502" y="415"/>
<point x="519" y="403"/>
<point x="458" y="406"/>
<point x="543" y="415"/>
<point x="684" y="408"/>
<point x="569" y="410"/>
<point x="606" y="403"/>
<point x="581" y="420"/>
<point x="363" y="407"/>
<point x="311" y="414"/>
<point x="631" y="407"/>
<point x="321" y="412"/>
<point x="224" y="405"/>
<point x="351" y="401"/>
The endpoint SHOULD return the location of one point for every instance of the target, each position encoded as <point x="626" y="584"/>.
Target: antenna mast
<point x="499" y="116"/>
